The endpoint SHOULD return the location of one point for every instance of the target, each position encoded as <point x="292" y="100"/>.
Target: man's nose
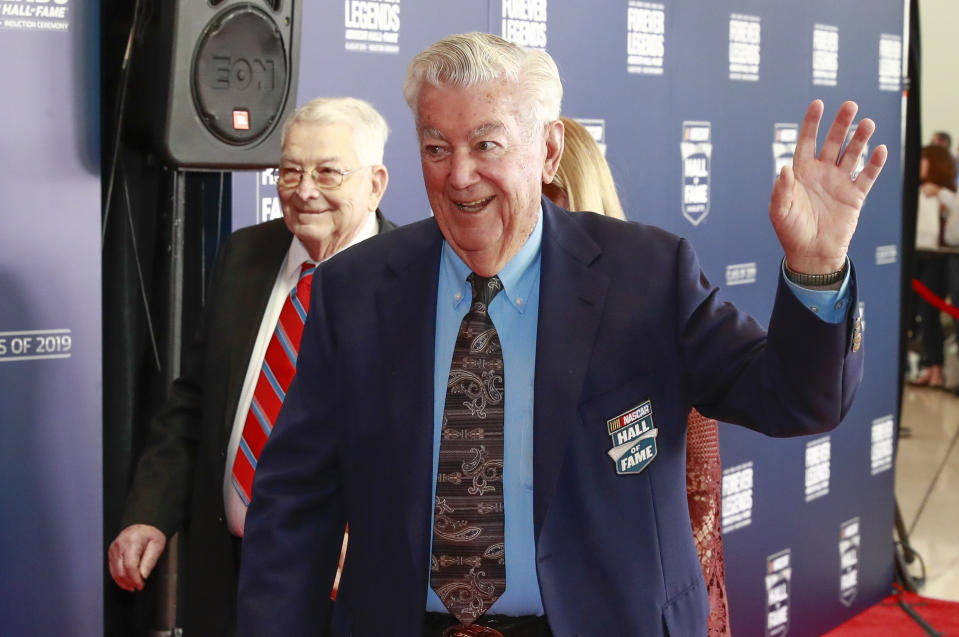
<point x="307" y="188"/>
<point x="462" y="170"/>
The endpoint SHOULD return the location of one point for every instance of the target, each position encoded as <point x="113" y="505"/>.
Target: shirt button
<point x="839" y="305"/>
<point x="814" y="309"/>
<point x="519" y="301"/>
<point x="457" y="296"/>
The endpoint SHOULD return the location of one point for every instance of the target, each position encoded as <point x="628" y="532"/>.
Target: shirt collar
<point x="295" y="258"/>
<point x="515" y="275"/>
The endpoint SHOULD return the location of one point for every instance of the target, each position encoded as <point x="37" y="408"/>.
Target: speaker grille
<point x="240" y="75"/>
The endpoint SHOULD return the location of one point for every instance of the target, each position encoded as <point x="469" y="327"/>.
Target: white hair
<point x="471" y="59"/>
<point x="369" y="128"/>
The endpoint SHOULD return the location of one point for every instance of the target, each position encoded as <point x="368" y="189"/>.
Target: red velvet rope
<point x="936" y="301"/>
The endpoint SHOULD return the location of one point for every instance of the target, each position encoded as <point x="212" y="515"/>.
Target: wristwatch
<point x="816" y="279"/>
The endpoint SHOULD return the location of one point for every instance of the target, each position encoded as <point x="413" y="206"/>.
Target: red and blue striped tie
<point x="279" y="366"/>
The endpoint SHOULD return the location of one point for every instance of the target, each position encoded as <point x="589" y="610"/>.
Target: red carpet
<point x="889" y="618"/>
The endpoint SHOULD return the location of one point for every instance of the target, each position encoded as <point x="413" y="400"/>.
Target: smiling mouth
<point x="474" y="206"/>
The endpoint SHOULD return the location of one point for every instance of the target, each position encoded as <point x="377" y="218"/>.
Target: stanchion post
<point x="167" y="575"/>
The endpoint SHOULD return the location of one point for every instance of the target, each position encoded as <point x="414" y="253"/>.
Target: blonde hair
<point x="584" y="175"/>
<point x="369" y="128"/>
<point x="467" y="60"/>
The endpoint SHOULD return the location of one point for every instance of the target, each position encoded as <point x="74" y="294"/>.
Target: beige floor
<point x="927" y="469"/>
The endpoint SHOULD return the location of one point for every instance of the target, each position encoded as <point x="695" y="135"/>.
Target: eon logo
<point x="241" y="74"/>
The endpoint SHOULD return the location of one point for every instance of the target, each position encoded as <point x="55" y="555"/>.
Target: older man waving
<point x="500" y="410"/>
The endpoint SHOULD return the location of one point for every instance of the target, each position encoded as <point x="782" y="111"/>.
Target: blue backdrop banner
<point x="51" y="501"/>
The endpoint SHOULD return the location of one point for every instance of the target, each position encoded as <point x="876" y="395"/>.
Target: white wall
<point x="939" y="24"/>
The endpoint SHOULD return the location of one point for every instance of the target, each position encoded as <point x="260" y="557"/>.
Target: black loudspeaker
<point x="213" y="80"/>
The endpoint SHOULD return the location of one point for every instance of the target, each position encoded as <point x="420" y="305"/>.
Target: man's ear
<point x="379" y="179"/>
<point x="555" y="138"/>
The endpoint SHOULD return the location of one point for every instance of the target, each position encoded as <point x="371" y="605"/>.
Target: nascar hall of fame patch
<point x="848" y="561"/>
<point x="634" y="439"/>
<point x="778" y="574"/>
<point x="696" y="149"/>
<point x="785" y="137"/>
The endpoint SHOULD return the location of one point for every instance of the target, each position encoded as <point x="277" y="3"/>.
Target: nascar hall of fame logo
<point x="785" y="137"/>
<point x="696" y="149"/>
<point x="778" y="574"/>
<point x="597" y="129"/>
<point x="848" y="561"/>
<point x="524" y="22"/>
<point x="634" y="439"/>
<point x="372" y="26"/>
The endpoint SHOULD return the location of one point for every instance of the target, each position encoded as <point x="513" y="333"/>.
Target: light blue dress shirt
<point x="515" y="313"/>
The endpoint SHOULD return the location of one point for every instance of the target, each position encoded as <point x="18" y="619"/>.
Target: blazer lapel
<point x="572" y="296"/>
<point x="406" y="303"/>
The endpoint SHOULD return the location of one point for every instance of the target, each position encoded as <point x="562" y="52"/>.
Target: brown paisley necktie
<point x="468" y="563"/>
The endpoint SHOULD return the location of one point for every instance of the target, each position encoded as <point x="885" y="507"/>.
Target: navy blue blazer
<point x="626" y="316"/>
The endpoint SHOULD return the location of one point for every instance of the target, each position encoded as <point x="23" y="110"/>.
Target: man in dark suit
<point x="539" y="488"/>
<point x="330" y="181"/>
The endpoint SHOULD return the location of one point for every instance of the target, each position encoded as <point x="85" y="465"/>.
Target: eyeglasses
<point x="324" y="177"/>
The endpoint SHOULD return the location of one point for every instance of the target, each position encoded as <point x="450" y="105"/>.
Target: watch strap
<point x="828" y="278"/>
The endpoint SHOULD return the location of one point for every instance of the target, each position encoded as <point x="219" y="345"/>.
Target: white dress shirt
<point x="286" y="280"/>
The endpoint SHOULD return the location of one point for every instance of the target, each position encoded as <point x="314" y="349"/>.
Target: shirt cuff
<point x="828" y="305"/>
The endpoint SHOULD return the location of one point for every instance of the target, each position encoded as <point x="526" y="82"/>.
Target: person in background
<point x="197" y="467"/>
<point x="944" y="139"/>
<point x="482" y="497"/>
<point x="584" y="182"/>
<point x="941" y="138"/>
<point x="935" y="227"/>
